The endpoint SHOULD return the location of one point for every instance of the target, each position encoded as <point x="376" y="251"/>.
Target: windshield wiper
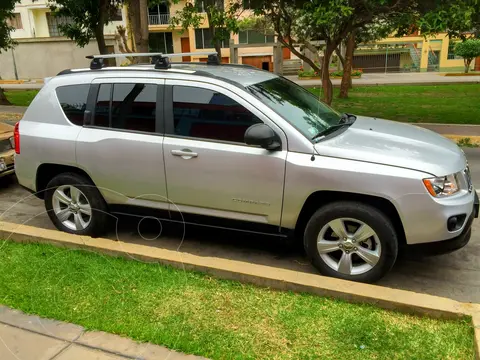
<point x="345" y="120"/>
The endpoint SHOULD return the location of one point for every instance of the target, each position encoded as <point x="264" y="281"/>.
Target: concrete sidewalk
<point x="427" y="78"/>
<point x="24" y="337"/>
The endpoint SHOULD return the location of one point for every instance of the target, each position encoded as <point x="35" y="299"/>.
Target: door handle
<point x="185" y="153"/>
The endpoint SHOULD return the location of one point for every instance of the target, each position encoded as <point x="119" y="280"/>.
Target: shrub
<point x="469" y="50"/>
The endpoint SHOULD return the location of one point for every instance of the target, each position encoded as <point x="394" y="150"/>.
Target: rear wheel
<point x="75" y="205"/>
<point x="351" y="241"/>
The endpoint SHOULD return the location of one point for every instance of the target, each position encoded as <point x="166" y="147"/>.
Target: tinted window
<point x="73" y="99"/>
<point x="208" y="114"/>
<point x="128" y="106"/>
<point x="133" y="107"/>
<point x="102" y="106"/>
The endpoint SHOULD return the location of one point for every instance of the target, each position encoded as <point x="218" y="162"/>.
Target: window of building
<point x="203" y="40"/>
<point x="118" y="15"/>
<point x="202" y="5"/>
<point x="247" y="4"/>
<point x="15" y="21"/>
<point x="126" y="107"/>
<point x="451" y="51"/>
<point x="73" y="100"/>
<point x="254" y="37"/>
<point x="160" y="42"/>
<point x="202" y="113"/>
<point x="55" y="21"/>
<point x="159" y="14"/>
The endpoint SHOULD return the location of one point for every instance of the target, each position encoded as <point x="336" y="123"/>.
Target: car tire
<point x="380" y="249"/>
<point x="73" y="216"/>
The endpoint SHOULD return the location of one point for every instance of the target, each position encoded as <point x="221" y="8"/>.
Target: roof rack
<point x="160" y="60"/>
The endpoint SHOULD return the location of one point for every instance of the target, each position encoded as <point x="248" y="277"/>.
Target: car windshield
<point x="296" y="105"/>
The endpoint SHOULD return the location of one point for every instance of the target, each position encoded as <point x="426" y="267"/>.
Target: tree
<point x="331" y="21"/>
<point x="6" y="42"/>
<point x="469" y="50"/>
<point x="88" y="19"/>
<point x="221" y="21"/>
<point x="137" y="11"/>
<point x="377" y="30"/>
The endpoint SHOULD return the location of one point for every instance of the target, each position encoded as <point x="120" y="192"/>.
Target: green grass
<point x="195" y="313"/>
<point x="458" y="104"/>
<point x="21" y="97"/>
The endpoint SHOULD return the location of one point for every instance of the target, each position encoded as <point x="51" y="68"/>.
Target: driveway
<point x="456" y="275"/>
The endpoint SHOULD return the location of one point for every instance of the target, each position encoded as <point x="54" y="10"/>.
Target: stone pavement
<point x="24" y="337"/>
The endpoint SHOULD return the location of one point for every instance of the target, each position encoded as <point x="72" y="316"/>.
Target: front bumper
<point x="8" y="171"/>
<point x="450" y="245"/>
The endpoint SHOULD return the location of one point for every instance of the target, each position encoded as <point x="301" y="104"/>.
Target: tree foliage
<point x="469" y="50"/>
<point x="6" y="12"/>
<point x="330" y="21"/>
<point x="88" y="19"/>
<point x="222" y="20"/>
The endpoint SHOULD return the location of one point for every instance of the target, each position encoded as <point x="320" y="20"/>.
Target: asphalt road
<point x="455" y="275"/>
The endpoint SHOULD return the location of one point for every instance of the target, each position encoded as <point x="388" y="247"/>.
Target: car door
<point x="120" y="146"/>
<point x="209" y="169"/>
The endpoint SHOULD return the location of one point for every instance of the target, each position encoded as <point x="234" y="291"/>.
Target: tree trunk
<point x="99" y="36"/>
<point x="3" y="98"/>
<point x="347" y="69"/>
<point x="467" y="63"/>
<point x="326" y="82"/>
<point x="143" y="13"/>
<point x="138" y="16"/>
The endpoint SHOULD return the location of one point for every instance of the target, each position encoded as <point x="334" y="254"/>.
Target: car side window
<point x="73" y="100"/>
<point x="126" y="106"/>
<point x="207" y="114"/>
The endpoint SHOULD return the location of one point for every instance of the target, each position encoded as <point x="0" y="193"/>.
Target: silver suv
<point x="242" y="148"/>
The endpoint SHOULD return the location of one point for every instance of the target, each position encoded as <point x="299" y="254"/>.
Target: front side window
<point x="126" y="107"/>
<point x="207" y="114"/>
<point x="296" y="105"/>
<point x="73" y="100"/>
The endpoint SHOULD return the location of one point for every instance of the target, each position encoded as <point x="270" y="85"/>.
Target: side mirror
<point x="262" y="135"/>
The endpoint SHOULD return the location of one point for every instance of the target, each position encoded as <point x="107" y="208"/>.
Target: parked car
<point x="7" y="151"/>
<point x="242" y="148"/>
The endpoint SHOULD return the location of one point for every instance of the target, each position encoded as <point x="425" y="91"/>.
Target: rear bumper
<point x="450" y="245"/>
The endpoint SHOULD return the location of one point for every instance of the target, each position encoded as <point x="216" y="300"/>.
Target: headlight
<point x="442" y="186"/>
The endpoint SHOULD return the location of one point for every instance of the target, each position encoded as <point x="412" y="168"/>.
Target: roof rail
<point x="160" y="60"/>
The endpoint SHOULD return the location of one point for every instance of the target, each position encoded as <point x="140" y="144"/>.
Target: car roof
<point x="243" y="75"/>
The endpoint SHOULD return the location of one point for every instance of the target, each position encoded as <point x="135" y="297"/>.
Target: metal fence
<point x="391" y="58"/>
<point x="159" y="19"/>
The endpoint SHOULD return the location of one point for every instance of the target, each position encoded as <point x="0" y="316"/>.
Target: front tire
<point x="75" y="205"/>
<point x="351" y="241"/>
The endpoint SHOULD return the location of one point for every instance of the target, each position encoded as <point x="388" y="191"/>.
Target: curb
<point x="261" y="275"/>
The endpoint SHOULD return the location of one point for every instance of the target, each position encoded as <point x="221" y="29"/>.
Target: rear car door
<point x="210" y="170"/>
<point x="120" y="145"/>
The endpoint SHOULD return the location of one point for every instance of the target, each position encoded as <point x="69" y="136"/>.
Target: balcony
<point x="158" y="19"/>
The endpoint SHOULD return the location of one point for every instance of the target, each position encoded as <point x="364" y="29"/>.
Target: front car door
<point x="210" y="170"/>
<point x="121" y="148"/>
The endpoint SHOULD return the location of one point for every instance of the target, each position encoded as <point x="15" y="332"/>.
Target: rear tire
<point x="366" y="248"/>
<point x="75" y="205"/>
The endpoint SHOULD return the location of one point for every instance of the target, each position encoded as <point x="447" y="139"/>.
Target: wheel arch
<point x="322" y="198"/>
<point x="46" y="172"/>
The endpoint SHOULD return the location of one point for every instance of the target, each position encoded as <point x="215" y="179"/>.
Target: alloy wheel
<point x="71" y="207"/>
<point x="349" y="246"/>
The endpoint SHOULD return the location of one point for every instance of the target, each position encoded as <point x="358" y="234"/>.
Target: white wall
<point x="40" y="58"/>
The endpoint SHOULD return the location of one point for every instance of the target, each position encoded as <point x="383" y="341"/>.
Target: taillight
<point x="16" y="137"/>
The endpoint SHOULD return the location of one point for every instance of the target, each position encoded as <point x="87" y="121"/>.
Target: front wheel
<point x="351" y="241"/>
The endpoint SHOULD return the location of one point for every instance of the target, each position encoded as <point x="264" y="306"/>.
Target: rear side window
<point x="126" y="106"/>
<point x="73" y="100"/>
